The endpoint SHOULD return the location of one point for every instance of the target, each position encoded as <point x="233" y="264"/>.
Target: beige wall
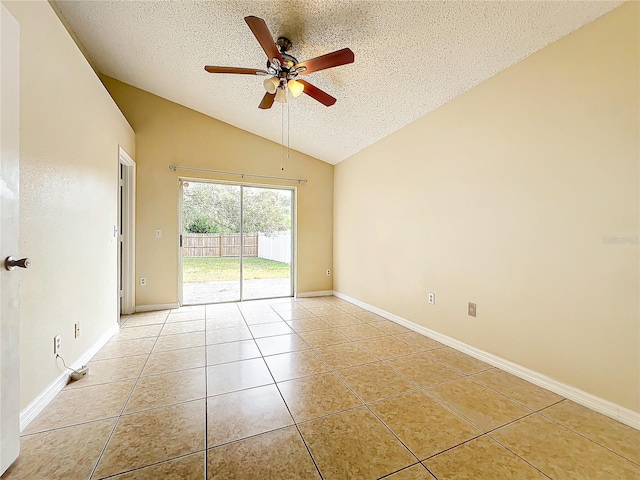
<point x="70" y="132"/>
<point x="502" y="197"/>
<point x="167" y="133"/>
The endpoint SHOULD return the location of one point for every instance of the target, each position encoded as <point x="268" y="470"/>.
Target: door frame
<point x="128" y="299"/>
<point x="9" y="229"/>
<point x="293" y="268"/>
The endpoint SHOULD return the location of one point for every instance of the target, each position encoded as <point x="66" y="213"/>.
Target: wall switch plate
<point x="57" y="344"/>
<point x="77" y="330"/>
<point x="472" y="309"/>
<point x="432" y="298"/>
<point x="158" y="233"/>
<point x="328" y="272"/>
<point x="143" y="281"/>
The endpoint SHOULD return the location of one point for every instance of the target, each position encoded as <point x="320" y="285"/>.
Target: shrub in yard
<point x="202" y="225"/>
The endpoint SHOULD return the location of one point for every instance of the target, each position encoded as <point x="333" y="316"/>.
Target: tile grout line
<point x="407" y="468"/>
<point x="462" y="417"/>
<point x="420" y="388"/>
<point x="352" y="341"/>
<point x="363" y="403"/>
<point x="133" y="387"/>
<point x="440" y="402"/>
<point x="488" y="434"/>
<point x="253" y="435"/>
<point x="206" y="399"/>
<point x="206" y="386"/>
<point x="464" y="375"/>
<point x="122" y="380"/>
<point x="280" y="392"/>
<point x="113" y="429"/>
<point x="384" y="361"/>
<point x="150" y="409"/>
<point x="70" y="426"/>
<point x="380" y="359"/>
<point x="470" y="376"/>
<point x="540" y="412"/>
<point x="152" y="464"/>
<point x="372" y="413"/>
<point x="342" y="381"/>
<point x="285" y="404"/>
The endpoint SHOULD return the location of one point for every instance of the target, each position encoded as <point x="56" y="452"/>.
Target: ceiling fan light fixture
<point x="284" y="68"/>
<point x="271" y="84"/>
<point x="281" y="95"/>
<point x="296" y="88"/>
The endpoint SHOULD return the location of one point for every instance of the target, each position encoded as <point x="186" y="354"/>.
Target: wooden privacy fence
<point x="218" y="245"/>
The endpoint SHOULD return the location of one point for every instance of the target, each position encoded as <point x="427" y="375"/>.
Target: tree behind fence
<point x="218" y="245"/>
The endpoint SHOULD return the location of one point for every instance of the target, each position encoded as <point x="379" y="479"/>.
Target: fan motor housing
<point x="285" y="70"/>
<point x="284" y="44"/>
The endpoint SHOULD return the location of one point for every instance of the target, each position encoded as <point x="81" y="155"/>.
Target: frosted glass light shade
<point x="281" y="95"/>
<point x="296" y="87"/>
<point x="271" y="84"/>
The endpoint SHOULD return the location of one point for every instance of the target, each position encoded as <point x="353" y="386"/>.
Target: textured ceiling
<point x="410" y="56"/>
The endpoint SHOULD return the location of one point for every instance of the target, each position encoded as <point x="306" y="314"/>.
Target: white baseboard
<point x="157" y="306"/>
<point x="320" y="293"/>
<point x="600" y="405"/>
<point x="38" y="404"/>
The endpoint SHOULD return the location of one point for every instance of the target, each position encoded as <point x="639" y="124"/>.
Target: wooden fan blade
<point x="320" y="95"/>
<point x="241" y="71"/>
<point x="263" y="35"/>
<point x="267" y="101"/>
<point x="330" y="60"/>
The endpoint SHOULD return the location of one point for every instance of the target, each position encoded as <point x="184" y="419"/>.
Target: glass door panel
<point x="211" y="253"/>
<point x="267" y="242"/>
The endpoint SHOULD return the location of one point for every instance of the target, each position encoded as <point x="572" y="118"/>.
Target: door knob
<point x="10" y="263"/>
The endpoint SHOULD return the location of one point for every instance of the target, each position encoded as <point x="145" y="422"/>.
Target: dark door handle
<point x="10" y="263"/>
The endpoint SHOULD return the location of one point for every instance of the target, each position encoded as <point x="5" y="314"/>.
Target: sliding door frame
<point x="293" y="267"/>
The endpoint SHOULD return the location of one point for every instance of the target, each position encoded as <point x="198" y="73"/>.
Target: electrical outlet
<point x="57" y="344"/>
<point x="432" y="298"/>
<point x="328" y="272"/>
<point x="158" y="233"/>
<point x="143" y="281"/>
<point x="77" y="330"/>
<point x="472" y="309"/>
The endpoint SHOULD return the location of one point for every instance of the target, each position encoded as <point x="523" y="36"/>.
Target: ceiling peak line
<point x="175" y="168"/>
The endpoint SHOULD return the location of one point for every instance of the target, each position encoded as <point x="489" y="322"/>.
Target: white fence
<point x="276" y="248"/>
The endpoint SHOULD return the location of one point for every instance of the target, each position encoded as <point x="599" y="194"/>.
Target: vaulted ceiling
<point x="410" y="56"/>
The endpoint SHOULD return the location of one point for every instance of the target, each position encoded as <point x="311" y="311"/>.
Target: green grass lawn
<point x="213" y="269"/>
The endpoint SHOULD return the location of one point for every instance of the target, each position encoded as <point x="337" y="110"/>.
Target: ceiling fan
<point x="283" y="69"/>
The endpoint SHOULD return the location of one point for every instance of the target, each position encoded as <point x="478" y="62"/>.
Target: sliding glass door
<point x="211" y="220"/>
<point x="236" y="242"/>
<point x="266" y="221"/>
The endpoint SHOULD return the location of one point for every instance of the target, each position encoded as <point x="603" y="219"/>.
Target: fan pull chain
<point x="282" y="138"/>
<point x="288" y="131"/>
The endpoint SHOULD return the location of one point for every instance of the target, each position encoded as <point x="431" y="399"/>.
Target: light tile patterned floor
<point x="309" y="388"/>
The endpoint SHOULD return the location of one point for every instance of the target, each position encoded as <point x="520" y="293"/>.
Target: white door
<point x="9" y="287"/>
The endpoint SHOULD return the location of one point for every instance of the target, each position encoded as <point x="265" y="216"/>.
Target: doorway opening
<point x="124" y="232"/>
<point x="236" y="242"/>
